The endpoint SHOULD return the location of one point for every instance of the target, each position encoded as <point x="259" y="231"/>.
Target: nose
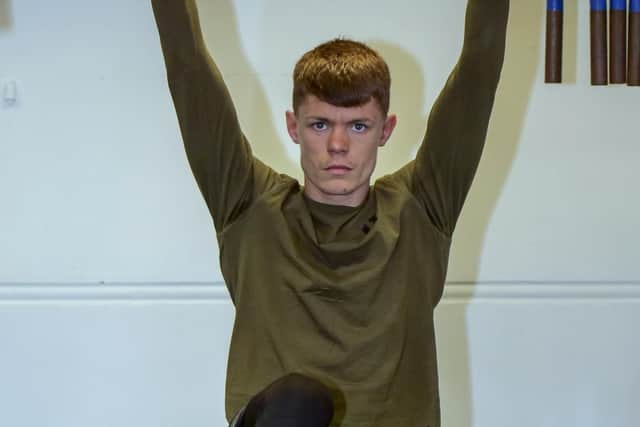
<point x="338" y="141"/>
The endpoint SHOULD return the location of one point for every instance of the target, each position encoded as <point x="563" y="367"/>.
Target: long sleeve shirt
<point x="345" y="295"/>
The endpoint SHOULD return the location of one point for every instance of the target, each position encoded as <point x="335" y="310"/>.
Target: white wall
<point x="102" y="228"/>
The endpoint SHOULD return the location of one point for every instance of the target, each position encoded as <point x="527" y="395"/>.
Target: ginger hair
<point x="344" y="73"/>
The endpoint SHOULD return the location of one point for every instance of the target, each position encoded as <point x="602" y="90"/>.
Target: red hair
<point x="344" y="73"/>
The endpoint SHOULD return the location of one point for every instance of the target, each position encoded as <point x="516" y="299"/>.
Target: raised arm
<point x="219" y="155"/>
<point x="457" y="127"/>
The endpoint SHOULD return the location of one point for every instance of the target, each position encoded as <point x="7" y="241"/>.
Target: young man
<point x="334" y="282"/>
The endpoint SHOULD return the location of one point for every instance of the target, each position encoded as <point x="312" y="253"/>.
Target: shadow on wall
<point x="223" y="39"/>
<point x="570" y="42"/>
<point x="523" y="61"/>
<point x="5" y="15"/>
<point x="408" y="87"/>
<point x="524" y="56"/>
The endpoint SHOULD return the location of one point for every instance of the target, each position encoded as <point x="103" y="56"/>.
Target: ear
<point x="292" y="126"/>
<point x="389" y="125"/>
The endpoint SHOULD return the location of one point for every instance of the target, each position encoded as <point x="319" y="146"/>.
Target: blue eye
<point x="359" y="127"/>
<point x="319" y="126"/>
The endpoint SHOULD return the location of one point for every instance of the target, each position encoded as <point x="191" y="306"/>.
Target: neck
<point x="353" y="199"/>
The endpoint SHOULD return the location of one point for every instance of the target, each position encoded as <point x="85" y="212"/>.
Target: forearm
<point x="192" y="74"/>
<point x="180" y="33"/>
<point x="484" y="39"/>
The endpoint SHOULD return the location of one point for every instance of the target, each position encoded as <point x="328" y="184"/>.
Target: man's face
<point x="338" y="148"/>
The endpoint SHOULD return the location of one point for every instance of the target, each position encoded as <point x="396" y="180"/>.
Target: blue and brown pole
<point x="634" y="43"/>
<point x="553" y="47"/>
<point x="618" y="41"/>
<point x="599" y="59"/>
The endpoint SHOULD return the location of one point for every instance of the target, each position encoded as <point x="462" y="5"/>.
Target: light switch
<point x="10" y="93"/>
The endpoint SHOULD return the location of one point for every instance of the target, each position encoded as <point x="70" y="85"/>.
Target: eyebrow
<point x="324" y="119"/>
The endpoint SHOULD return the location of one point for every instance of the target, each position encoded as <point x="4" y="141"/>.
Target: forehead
<point x="314" y="107"/>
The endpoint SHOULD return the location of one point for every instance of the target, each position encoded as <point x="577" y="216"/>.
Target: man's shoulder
<point x="399" y="181"/>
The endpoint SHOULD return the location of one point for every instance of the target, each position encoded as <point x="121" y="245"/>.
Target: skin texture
<point x="338" y="148"/>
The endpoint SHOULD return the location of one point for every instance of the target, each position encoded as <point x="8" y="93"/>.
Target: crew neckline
<point x="334" y="209"/>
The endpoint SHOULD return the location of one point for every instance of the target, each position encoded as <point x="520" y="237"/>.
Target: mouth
<point x="337" y="169"/>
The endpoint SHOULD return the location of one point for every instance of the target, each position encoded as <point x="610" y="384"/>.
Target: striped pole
<point x="553" y="46"/>
<point x="634" y="43"/>
<point x="618" y="41"/>
<point x="599" y="60"/>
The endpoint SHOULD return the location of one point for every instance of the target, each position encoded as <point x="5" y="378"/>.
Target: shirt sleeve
<point x="446" y="162"/>
<point x="220" y="157"/>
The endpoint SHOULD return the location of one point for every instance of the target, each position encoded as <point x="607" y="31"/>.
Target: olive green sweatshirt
<point x="345" y="295"/>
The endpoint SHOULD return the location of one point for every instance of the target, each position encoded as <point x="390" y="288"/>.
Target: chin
<point x="337" y="191"/>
